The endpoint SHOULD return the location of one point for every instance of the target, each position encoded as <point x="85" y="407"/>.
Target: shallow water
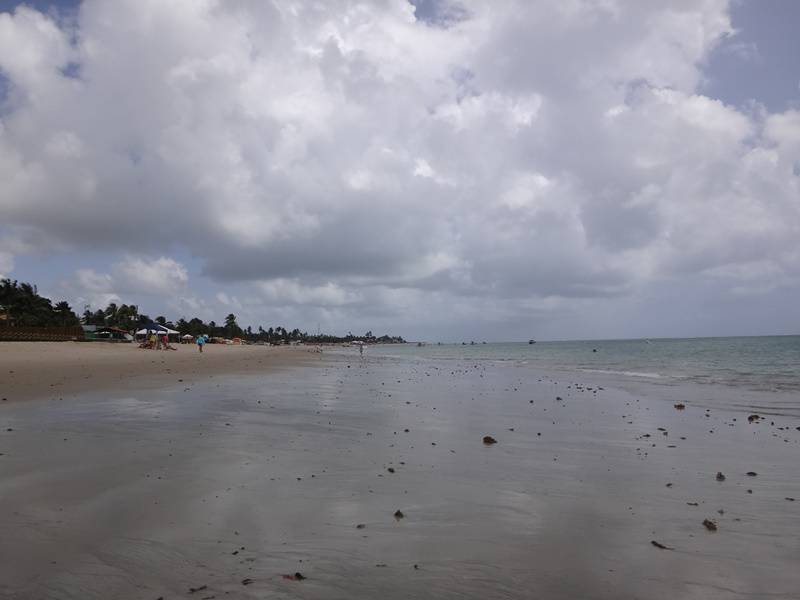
<point x="147" y="496"/>
<point x="766" y="363"/>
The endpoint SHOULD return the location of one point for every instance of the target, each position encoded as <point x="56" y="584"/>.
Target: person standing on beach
<point x="201" y="340"/>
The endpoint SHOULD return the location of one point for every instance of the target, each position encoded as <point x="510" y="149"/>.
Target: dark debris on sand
<point x="709" y="524"/>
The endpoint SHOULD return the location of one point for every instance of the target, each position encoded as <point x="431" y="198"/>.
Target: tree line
<point x="22" y="305"/>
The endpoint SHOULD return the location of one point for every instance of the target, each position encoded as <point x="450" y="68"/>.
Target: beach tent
<point x="156" y="328"/>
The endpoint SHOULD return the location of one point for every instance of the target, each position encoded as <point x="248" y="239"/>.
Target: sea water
<point x="768" y="363"/>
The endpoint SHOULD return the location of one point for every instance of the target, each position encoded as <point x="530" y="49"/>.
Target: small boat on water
<point x="531" y="341"/>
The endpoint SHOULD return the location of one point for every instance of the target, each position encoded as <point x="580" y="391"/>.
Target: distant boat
<point x="531" y="341"/>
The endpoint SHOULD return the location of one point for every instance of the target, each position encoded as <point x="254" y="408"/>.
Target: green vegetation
<point x="21" y="305"/>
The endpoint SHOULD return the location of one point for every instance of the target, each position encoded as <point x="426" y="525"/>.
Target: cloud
<point x="92" y="288"/>
<point x="349" y="157"/>
<point x="132" y="277"/>
<point x="6" y="263"/>
<point x="160" y="276"/>
<point x="283" y="291"/>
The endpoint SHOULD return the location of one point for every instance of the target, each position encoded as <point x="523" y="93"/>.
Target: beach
<point x="229" y="483"/>
<point x="59" y="369"/>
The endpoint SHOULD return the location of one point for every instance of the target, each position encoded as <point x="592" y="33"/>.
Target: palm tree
<point x="111" y="314"/>
<point x="232" y="328"/>
<point x="64" y="315"/>
<point x="127" y="316"/>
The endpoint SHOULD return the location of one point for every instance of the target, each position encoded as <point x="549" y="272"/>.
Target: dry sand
<point x="60" y="369"/>
<point x="227" y="483"/>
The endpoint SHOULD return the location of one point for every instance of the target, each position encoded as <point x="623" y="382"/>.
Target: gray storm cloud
<point x="500" y="159"/>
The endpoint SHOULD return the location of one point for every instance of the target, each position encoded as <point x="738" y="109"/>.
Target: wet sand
<point x="237" y="481"/>
<point x="62" y="369"/>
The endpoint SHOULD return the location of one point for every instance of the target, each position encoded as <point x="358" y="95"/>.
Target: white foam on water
<point x="626" y="373"/>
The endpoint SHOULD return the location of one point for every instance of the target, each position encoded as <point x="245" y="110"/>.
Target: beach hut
<point x="112" y="334"/>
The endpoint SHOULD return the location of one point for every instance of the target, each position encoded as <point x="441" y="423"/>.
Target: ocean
<point x="768" y="363"/>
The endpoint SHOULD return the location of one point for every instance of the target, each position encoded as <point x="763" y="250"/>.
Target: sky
<point x="444" y="170"/>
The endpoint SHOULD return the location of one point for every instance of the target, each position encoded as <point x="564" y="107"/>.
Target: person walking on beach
<point x="201" y="340"/>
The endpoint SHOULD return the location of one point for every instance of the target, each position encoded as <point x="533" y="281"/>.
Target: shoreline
<point x="55" y="370"/>
<point x="591" y="490"/>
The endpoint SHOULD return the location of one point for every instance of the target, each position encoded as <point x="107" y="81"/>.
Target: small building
<point x="111" y="334"/>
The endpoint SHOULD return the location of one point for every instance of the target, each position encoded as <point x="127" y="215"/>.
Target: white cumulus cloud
<point x="354" y="157"/>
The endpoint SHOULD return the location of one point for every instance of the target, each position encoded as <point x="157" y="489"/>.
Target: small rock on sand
<point x="398" y="514"/>
<point x="709" y="524"/>
<point x="679" y="406"/>
<point x="659" y="545"/>
<point x="751" y="473"/>
<point x="489" y="440"/>
<point x="720" y="476"/>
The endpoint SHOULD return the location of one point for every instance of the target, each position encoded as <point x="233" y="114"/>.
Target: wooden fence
<point x="41" y="334"/>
